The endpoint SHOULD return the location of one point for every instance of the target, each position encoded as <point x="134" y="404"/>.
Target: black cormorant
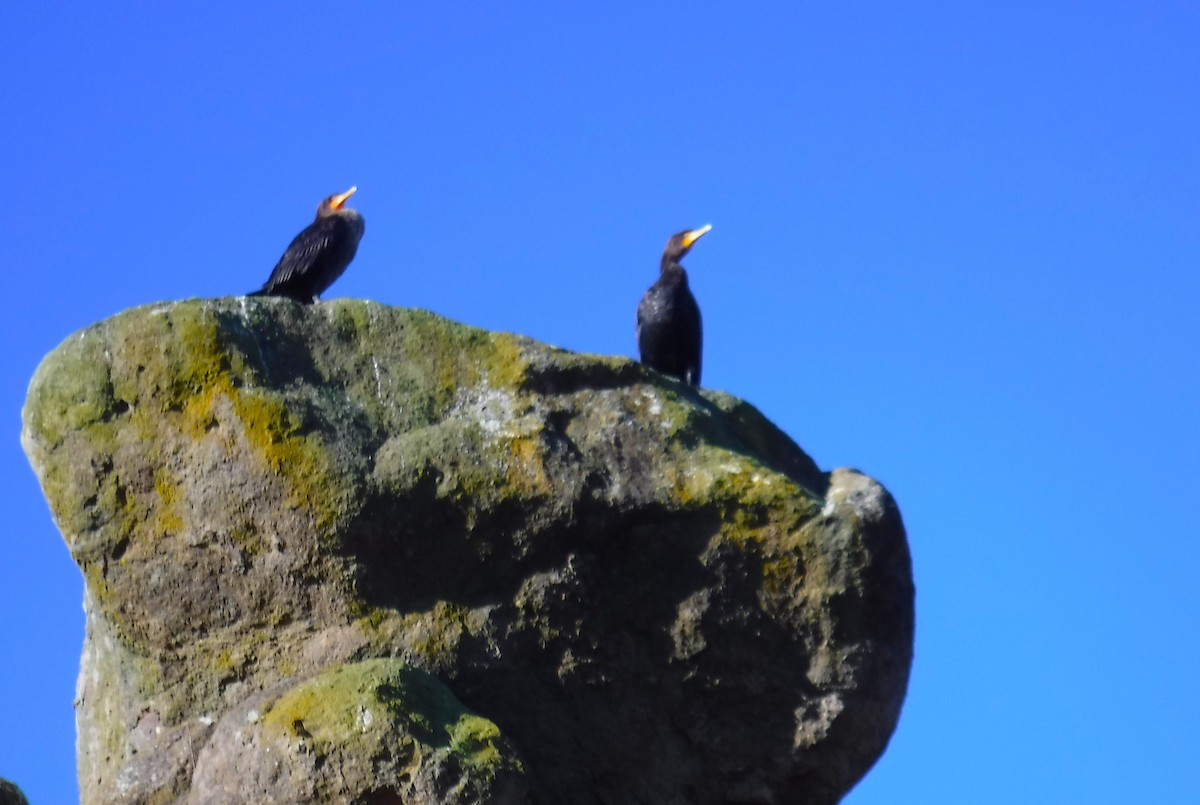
<point x="668" y="318"/>
<point x="319" y="254"/>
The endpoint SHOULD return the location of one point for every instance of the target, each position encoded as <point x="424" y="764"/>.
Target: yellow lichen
<point x="474" y="739"/>
<point x="504" y="364"/>
<point x="168" y="520"/>
<point x="211" y="382"/>
<point x="527" y="472"/>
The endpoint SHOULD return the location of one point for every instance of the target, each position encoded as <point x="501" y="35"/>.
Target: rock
<point x="10" y="794"/>
<point x="346" y="552"/>
<point x="399" y="736"/>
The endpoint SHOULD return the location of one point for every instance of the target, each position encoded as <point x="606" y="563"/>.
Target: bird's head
<point x="681" y="242"/>
<point x="333" y="204"/>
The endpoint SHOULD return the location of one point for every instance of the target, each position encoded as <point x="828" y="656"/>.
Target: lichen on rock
<point x="377" y="730"/>
<point x="639" y="592"/>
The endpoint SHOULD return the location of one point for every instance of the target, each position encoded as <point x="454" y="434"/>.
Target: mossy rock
<point x="370" y="732"/>
<point x="649" y="591"/>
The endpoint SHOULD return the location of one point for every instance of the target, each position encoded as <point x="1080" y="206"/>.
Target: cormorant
<point x="319" y="254"/>
<point x="668" y="318"/>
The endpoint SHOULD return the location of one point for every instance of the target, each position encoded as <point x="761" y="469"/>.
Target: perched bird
<point x="319" y="254"/>
<point x="668" y="318"/>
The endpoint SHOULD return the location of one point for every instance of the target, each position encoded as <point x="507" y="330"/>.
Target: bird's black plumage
<point x="319" y="254"/>
<point x="669" y="332"/>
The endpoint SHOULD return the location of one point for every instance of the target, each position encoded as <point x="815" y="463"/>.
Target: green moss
<point x="473" y="740"/>
<point x="432" y="636"/>
<point x="783" y="576"/>
<point x="371" y="618"/>
<point x="246" y="536"/>
<point x="177" y="360"/>
<point x="504" y="364"/>
<point x="443" y="354"/>
<point x="168" y="520"/>
<point x="71" y="391"/>
<point x="706" y="475"/>
<point x="215" y="374"/>
<point x="351" y="319"/>
<point x="224" y="661"/>
<point x="94" y="578"/>
<point x="214" y="370"/>
<point x="285" y="666"/>
<point x="205" y="360"/>
<point x="356" y="708"/>
<point x="188" y="361"/>
<point x="435" y="636"/>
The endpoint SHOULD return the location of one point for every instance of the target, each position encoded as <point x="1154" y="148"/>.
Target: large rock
<point x="355" y="553"/>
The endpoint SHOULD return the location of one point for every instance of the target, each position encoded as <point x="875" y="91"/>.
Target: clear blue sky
<point x="955" y="245"/>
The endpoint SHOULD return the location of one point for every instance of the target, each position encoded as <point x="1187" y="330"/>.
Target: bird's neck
<point x="670" y="266"/>
<point x="673" y="276"/>
<point x="346" y="215"/>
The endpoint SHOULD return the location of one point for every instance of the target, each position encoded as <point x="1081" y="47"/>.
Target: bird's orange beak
<point x="339" y="200"/>
<point x="695" y="235"/>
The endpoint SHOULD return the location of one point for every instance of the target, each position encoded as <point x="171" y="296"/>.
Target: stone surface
<point x="398" y="735"/>
<point x="346" y="552"/>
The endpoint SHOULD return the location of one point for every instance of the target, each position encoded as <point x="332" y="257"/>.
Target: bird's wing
<point x="645" y="320"/>
<point x="301" y="255"/>
<point x="698" y="331"/>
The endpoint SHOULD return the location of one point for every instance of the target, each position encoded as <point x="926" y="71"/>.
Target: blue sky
<point x="954" y="245"/>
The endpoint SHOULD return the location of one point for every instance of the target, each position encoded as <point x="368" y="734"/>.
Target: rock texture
<point x="352" y="553"/>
